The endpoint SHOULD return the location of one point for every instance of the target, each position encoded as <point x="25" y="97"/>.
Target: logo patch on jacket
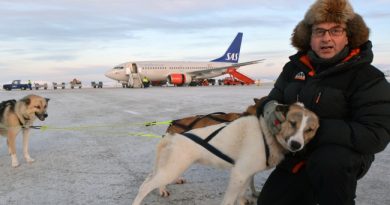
<point x="300" y="76"/>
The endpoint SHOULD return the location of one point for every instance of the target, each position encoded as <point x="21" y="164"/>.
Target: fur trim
<point x="337" y="11"/>
<point x="357" y="31"/>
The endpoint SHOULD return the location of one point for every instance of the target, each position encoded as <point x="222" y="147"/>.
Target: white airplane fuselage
<point x="160" y="70"/>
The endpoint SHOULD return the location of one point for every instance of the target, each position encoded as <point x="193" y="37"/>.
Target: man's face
<point x="328" y="39"/>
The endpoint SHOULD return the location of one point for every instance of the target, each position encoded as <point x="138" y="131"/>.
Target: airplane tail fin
<point x="233" y="52"/>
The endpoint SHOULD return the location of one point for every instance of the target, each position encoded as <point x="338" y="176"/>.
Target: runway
<point x="92" y="151"/>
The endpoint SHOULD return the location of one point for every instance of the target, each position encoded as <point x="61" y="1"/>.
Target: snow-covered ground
<point x="91" y="152"/>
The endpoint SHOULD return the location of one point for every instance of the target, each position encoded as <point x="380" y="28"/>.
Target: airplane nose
<point x="109" y="74"/>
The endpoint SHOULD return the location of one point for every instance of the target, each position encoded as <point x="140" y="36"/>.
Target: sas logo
<point x="231" y="56"/>
<point x="300" y="76"/>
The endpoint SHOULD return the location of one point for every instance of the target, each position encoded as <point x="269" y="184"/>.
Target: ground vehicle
<point x="236" y="78"/>
<point x="231" y="81"/>
<point x="37" y="86"/>
<point x="16" y="84"/>
<point x="75" y="83"/>
<point x="204" y="82"/>
<point x="58" y="85"/>
<point x="97" y="85"/>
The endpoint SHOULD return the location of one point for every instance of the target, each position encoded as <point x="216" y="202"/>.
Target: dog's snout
<point x="41" y="116"/>
<point x="295" y="146"/>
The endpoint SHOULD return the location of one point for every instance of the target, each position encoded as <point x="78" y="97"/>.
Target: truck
<point x="16" y="84"/>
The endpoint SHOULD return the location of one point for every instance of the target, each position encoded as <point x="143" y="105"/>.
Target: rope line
<point x="44" y="128"/>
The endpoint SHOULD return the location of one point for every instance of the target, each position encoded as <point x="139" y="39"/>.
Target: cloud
<point x="62" y="38"/>
<point x="55" y="58"/>
<point x="81" y="20"/>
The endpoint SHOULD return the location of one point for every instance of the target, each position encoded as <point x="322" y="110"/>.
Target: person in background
<point x="145" y="82"/>
<point x="29" y="84"/>
<point x="332" y="75"/>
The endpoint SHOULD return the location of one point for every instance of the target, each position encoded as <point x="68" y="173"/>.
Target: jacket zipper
<point x="318" y="97"/>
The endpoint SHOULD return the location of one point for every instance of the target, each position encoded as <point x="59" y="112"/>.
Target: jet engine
<point x="179" y="79"/>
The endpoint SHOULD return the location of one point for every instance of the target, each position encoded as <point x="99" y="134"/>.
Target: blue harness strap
<point x="204" y="143"/>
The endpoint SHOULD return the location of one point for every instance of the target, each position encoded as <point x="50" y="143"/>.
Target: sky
<point x="58" y="40"/>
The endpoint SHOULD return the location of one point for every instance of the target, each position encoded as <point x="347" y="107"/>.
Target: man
<point x="29" y="84"/>
<point x="331" y="75"/>
<point x="145" y="82"/>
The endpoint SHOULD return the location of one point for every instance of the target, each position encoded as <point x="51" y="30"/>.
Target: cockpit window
<point x="119" y="68"/>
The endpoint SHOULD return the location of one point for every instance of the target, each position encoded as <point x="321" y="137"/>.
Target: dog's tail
<point x="4" y="105"/>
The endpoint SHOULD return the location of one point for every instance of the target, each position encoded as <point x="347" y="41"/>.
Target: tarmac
<point x="96" y="150"/>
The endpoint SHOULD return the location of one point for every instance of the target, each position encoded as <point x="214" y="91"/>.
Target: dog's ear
<point x="26" y="100"/>
<point x="47" y="99"/>
<point x="261" y="100"/>
<point x="282" y="108"/>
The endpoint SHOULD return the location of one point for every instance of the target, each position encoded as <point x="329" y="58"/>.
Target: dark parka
<point x="352" y="100"/>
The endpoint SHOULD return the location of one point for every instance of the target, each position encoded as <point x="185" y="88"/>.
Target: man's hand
<point x="273" y="117"/>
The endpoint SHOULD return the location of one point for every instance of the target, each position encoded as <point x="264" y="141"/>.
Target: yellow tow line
<point x="44" y="128"/>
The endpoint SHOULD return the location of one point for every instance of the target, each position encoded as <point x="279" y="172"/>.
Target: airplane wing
<point x="220" y="70"/>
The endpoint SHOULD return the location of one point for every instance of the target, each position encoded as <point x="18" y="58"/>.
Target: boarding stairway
<point x="234" y="74"/>
<point x="135" y="80"/>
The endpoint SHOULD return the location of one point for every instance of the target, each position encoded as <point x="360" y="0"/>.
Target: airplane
<point x="179" y="73"/>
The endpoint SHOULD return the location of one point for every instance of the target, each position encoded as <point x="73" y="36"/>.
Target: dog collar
<point x="276" y="122"/>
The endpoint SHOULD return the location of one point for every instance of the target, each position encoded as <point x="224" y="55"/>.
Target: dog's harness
<point x="21" y="123"/>
<point x="200" y="117"/>
<point x="205" y="144"/>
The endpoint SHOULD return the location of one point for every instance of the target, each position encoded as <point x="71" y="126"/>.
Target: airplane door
<point x="134" y="68"/>
<point x="128" y="71"/>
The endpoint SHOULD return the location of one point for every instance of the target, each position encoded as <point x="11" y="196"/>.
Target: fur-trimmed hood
<point x="337" y="11"/>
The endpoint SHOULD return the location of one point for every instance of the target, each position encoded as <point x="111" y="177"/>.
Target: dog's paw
<point x="256" y="194"/>
<point x="29" y="159"/>
<point x="164" y="193"/>
<point x="246" y="201"/>
<point x="180" y="180"/>
<point x="15" y="164"/>
<point x="14" y="161"/>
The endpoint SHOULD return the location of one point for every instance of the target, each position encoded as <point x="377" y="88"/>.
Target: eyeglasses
<point x="335" y="32"/>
